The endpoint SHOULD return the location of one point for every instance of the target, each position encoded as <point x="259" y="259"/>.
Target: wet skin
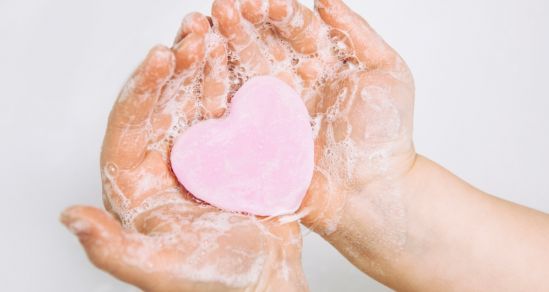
<point x="394" y="214"/>
<point x="323" y="57"/>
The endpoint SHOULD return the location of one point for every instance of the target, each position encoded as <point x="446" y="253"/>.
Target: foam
<point x="340" y="160"/>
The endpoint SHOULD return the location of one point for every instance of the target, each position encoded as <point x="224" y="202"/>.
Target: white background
<point x="481" y="69"/>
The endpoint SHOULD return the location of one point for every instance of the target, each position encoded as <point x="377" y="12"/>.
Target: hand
<point x="397" y="216"/>
<point x="359" y="93"/>
<point x="158" y="237"/>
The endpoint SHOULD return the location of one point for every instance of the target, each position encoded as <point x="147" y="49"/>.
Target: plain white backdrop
<point x="482" y="102"/>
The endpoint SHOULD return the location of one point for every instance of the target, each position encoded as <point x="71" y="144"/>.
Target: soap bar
<point x="258" y="159"/>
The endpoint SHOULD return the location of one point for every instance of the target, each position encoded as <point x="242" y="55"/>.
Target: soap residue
<point x="352" y="148"/>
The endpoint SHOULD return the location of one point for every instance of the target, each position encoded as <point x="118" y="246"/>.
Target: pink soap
<point x="258" y="160"/>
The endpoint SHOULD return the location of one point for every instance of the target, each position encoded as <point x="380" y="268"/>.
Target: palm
<point x="174" y="235"/>
<point x="167" y="241"/>
<point x="358" y="91"/>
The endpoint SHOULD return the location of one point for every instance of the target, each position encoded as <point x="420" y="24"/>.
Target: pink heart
<point x="258" y="160"/>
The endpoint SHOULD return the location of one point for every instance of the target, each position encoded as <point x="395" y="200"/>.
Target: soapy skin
<point x="360" y="106"/>
<point x="360" y="95"/>
<point x="157" y="236"/>
<point x="395" y="215"/>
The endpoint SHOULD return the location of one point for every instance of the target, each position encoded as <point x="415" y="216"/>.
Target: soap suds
<point x="344" y="161"/>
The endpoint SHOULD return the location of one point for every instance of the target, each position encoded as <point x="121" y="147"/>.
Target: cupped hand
<point x="156" y="236"/>
<point x="359" y="93"/>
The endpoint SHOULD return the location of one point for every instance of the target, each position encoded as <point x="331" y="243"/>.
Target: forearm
<point x="444" y="235"/>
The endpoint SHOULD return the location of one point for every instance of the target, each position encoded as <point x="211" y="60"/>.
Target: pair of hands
<point x="358" y="91"/>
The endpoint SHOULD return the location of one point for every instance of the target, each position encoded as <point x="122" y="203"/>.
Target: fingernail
<point x="76" y="225"/>
<point x="161" y="53"/>
<point x="179" y="45"/>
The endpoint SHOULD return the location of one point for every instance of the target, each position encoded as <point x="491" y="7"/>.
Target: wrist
<point x="374" y="229"/>
<point x="376" y="179"/>
<point x="400" y="230"/>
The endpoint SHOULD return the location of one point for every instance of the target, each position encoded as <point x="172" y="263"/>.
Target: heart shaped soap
<point x="258" y="159"/>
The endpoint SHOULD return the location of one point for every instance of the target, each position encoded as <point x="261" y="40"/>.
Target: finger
<point x="226" y="13"/>
<point x="107" y="245"/>
<point x="309" y="72"/>
<point x="369" y="47"/>
<point x="193" y="22"/>
<point x="254" y="11"/>
<point x="296" y="23"/>
<point x="216" y="81"/>
<point x="228" y="17"/>
<point x="189" y="52"/>
<point x="126" y="137"/>
<point x="189" y="55"/>
<point x="188" y="48"/>
<point x="216" y="68"/>
<point x="127" y="190"/>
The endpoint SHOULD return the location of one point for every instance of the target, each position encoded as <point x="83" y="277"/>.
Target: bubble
<point x="295" y="61"/>
<point x="111" y="170"/>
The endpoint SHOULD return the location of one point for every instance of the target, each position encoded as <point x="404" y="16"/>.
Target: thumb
<point x="107" y="245"/>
